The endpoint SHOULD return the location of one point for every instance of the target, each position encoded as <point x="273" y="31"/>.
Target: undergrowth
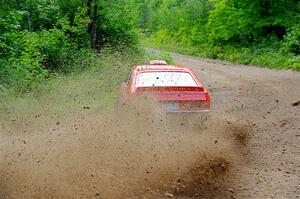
<point x="265" y="56"/>
<point x="93" y="84"/>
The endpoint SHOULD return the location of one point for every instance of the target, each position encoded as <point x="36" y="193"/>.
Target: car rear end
<point x="176" y="88"/>
<point x="196" y="105"/>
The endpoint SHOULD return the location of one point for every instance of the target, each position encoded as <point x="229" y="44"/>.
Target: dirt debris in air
<point x="296" y="103"/>
<point x="138" y="152"/>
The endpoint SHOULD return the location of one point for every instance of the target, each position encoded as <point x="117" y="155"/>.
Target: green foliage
<point x="266" y="31"/>
<point x="96" y="86"/>
<point x="228" y="23"/>
<point x="40" y="38"/>
<point x="292" y="40"/>
<point x="246" y="55"/>
<point x="251" y="21"/>
<point x="116" y="23"/>
<point x="76" y="29"/>
<point x="33" y="54"/>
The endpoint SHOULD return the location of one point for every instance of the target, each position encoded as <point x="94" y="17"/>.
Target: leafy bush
<point x="33" y="54"/>
<point x="292" y="40"/>
<point x="53" y="45"/>
<point x="90" y="87"/>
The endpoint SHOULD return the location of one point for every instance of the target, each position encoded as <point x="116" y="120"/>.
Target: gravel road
<point x="248" y="148"/>
<point x="270" y="100"/>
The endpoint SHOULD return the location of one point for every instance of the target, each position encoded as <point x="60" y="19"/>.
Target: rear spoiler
<point x="157" y="62"/>
<point x="170" y="88"/>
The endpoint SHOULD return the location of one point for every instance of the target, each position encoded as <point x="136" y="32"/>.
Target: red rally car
<point x="177" y="88"/>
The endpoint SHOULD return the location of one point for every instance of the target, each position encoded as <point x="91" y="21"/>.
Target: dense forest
<point x="40" y="39"/>
<point x="260" y="32"/>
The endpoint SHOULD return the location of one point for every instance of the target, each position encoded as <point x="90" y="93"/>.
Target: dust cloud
<point x="137" y="152"/>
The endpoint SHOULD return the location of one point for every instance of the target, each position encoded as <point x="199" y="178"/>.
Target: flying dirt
<point x="140" y="151"/>
<point x="245" y="148"/>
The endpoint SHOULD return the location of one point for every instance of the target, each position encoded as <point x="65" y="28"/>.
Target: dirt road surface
<point x="270" y="100"/>
<point x="249" y="148"/>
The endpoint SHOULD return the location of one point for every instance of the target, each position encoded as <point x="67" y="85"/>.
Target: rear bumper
<point x="187" y="111"/>
<point x="177" y="107"/>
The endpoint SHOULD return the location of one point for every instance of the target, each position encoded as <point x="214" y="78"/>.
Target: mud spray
<point x="138" y="152"/>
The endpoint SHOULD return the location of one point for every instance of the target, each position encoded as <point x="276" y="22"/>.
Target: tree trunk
<point x="94" y="26"/>
<point x="89" y="7"/>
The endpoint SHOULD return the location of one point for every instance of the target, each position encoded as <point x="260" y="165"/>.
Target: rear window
<point x="165" y="79"/>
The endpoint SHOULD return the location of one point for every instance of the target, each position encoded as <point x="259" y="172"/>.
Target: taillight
<point x="207" y="97"/>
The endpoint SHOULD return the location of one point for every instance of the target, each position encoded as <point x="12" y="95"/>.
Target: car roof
<point x="161" y="68"/>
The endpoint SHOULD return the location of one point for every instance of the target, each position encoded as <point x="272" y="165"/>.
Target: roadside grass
<point x="93" y="89"/>
<point x="265" y="56"/>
